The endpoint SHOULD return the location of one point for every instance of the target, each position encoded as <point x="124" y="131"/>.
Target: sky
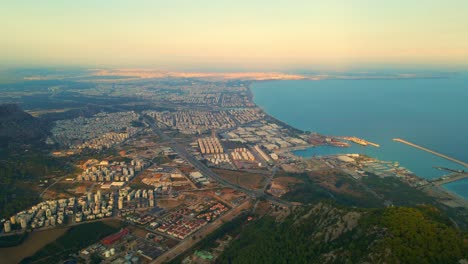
<point x="240" y="34"/>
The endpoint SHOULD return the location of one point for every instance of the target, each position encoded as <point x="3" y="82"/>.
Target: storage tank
<point x="107" y="254"/>
<point x="112" y="251"/>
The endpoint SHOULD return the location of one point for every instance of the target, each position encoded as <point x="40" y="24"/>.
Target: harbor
<point x="449" y="178"/>
<point x="289" y="100"/>
<point x="360" y="141"/>
<point x="431" y="151"/>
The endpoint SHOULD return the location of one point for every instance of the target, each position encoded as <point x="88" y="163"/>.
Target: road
<point x="57" y="180"/>
<point x="270" y="178"/>
<point x="183" y="153"/>
<point x="200" y="234"/>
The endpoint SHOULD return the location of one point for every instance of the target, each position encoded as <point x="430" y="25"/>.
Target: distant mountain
<point x="19" y="126"/>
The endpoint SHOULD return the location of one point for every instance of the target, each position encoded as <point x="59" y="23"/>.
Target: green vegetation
<point x="12" y="240"/>
<point x="17" y="171"/>
<point x="401" y="194"/>
<point x="311" y="192"/>
<point x="137" y="124"/>
<point x="15" y="198"/>
<point x="160" y="159"/>
<point x="75" y="239"/>
<point x="396" y="191"/>
<point x="306" y="192"/>
<point x="316" y="235"/>
<point x="233" y="228"/>
<point x="346" y="191"/>
<point x="94" y="154"/>
<point x="415" y="237"/>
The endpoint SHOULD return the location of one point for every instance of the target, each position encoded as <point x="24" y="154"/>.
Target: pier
<point x="449" y="178"/>
<point x="360" y="141"/>
<point x="449" y="170"/>
<point x="431" y="151"/>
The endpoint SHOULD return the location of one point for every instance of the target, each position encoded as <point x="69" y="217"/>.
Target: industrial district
<point x="171" y="176"/>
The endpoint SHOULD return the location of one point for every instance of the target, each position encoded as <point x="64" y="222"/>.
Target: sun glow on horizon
<point x="244" y="34"/>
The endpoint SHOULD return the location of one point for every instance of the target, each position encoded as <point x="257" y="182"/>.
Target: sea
<point x="430" y="112"/>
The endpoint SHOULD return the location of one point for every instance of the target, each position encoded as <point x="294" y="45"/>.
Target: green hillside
<point x="325" y="233"/>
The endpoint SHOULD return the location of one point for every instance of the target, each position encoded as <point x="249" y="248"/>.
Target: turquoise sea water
<point x="459" y="187"/>
<point x="429" y="112"/>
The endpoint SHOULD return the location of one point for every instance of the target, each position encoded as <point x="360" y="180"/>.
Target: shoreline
<point x="452" y="194"/>
<point x="251" y="96"/>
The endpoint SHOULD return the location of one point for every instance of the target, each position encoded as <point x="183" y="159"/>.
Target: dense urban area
<point x="145" y="168"/>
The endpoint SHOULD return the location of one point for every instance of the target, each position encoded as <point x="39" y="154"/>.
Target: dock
<point x="360" y="141"/>
<point x="449" y="170"/>
<point x="431" y="151"/>
<point x="449" y="178"/>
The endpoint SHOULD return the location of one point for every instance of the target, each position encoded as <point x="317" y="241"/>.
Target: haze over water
<point x="429" y="112"/>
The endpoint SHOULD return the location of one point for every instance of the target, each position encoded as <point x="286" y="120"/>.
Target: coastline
<point x="441" y="189"/>
<point x="251" y="96"/>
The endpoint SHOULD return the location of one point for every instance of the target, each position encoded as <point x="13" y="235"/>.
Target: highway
<point x="207" y="171"/>
<point x="431" y="151"/>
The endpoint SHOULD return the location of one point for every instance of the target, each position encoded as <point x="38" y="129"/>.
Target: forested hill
<point x="19" y="126"/>
<point x="23" y="158"/>
<point x="325" y="233"/>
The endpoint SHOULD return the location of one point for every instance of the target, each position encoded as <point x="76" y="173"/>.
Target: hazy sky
<point x="246" y="34"/>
